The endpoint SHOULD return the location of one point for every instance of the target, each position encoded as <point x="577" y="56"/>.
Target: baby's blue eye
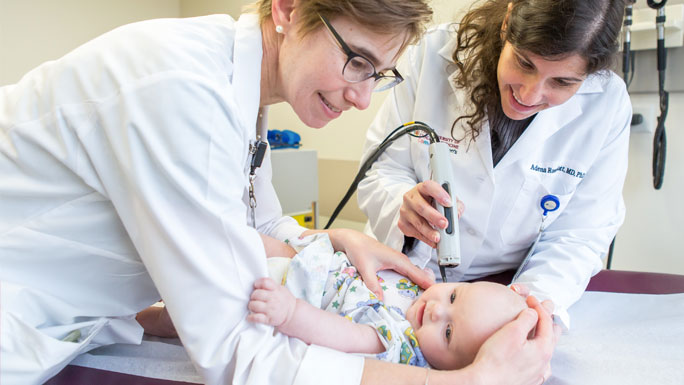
<point x="453" y="297"/>
<point x="448" y="333"/>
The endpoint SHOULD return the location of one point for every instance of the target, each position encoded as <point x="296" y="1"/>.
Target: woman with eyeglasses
<point x="130" y="172"/>
<point x="522" y="92"/>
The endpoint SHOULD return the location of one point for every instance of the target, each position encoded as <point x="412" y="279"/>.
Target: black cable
<point x="394" y="135"/>
<point x="628" y="75"/>
<point x="659" y="137"/>
<point x="626" y="53"/>
<point x="656" y="4"/>
<point x="610" y="254"/>
<point x="631" y="75"/>
<point x="660" y="143"/>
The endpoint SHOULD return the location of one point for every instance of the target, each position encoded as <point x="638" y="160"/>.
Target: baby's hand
<point x="270" y="303"/>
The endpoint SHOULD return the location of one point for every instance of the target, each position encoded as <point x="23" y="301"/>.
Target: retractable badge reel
<point x="548" y="203"/>
<point x="258" y="150"/>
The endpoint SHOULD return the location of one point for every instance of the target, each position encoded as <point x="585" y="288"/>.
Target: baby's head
<point x="452" y="320"/>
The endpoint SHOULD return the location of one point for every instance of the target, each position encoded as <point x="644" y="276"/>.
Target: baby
<point x="444" y="326"/>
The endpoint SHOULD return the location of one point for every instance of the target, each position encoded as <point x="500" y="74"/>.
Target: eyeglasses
<point x="358" y="68"/>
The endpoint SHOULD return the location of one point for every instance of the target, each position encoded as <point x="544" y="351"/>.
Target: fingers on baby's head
<point x="500" y="304"/>
<point x="431" y="274"/>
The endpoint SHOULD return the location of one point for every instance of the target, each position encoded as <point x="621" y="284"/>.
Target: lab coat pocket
<point x="32" y="355"/>
<point x="522" y="223"/>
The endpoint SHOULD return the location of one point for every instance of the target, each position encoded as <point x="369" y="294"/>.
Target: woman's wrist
<point x="381" y="372"/>
<point x="449" y="377"/>
<point x="471" y="376"/>
<point x="337" y="237"/>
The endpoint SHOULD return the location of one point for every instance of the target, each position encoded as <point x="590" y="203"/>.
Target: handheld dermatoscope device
<point x="449" y="245"/>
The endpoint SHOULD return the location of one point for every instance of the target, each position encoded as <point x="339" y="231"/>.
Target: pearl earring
<point x="279" y="28"/>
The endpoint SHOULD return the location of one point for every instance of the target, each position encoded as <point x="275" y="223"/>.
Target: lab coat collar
<point x="549" y="121"/>
<point x="544" y="125"/>
<point x="247" y="69"/>
<point x="594" y="84"/>
<point x="448" y="48"/>
<point x="483" y="139"/>
<point x="447" y="52"/>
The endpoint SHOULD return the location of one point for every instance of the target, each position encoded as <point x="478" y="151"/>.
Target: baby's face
<point x="452" y="320"/>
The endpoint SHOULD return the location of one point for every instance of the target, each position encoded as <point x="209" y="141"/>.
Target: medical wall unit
<point x="643" y="28"/>
<point x="659" y="26"/>
<point x="295" y="179"/>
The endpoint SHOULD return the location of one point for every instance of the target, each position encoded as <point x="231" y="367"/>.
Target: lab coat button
<point x="472" y="231"/>
<point x="449" y="273"/>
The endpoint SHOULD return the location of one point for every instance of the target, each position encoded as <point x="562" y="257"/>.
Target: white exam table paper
<point x="622" y="339"/>
<point x="616" y="338"/>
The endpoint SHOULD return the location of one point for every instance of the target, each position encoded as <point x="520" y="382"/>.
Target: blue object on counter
<point x="283" y="139"/>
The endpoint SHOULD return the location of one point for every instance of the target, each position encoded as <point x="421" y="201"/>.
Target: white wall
<point x="34" y="31"/>
<point x="652" y="238"/>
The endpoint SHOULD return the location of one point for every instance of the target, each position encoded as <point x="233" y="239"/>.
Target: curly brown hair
<point x="553" y="29"/>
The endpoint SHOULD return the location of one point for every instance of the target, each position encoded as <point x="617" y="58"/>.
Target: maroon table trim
<point x="619" y="281"/>
<point x="636" y="282"/>
<point x="80" y="375"/>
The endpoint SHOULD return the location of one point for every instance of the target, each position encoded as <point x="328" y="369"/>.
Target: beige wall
<point x="652" y="238"/>
<point x="191" y="8"/>
<point x="34" y="31"/>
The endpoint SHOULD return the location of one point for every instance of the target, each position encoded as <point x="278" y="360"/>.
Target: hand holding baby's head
<point x="452" y="320"/>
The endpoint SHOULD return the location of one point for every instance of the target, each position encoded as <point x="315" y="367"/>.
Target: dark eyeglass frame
<point x="394" y="79"/>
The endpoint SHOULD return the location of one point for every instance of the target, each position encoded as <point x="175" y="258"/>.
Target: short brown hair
<point x="383" y="16"/>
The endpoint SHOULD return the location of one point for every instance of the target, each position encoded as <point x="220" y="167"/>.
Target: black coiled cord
<point x="394" y="135"/>
<point x="660" y="143"/>
<point x="660" y="138"/>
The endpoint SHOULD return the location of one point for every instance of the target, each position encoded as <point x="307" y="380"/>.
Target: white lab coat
<point x="124" y="170"/>
<point x="588" y="134"/>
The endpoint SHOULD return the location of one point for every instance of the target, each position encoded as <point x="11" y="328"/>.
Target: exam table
<point x="571" y="365"/>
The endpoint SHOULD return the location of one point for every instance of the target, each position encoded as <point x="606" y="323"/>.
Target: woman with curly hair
<point x="129" y="174"/>
<point x="522" y="92"/>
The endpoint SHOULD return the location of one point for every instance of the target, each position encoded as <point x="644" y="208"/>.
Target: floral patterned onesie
<point x="328" y="280"/>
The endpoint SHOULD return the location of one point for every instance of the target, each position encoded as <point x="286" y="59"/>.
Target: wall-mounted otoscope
<point x="626" y="41"/>
<point x="660" y="139"/>
<point x="449" y="245"/>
